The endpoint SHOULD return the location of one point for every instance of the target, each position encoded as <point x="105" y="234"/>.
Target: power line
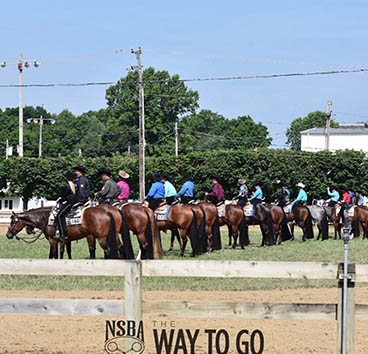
<point x="270" y="76"/>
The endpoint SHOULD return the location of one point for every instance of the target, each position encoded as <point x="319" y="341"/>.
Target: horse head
<point x="16" y="225"/>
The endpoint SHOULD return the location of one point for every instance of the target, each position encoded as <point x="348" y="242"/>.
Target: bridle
<point x="13" y="223"/>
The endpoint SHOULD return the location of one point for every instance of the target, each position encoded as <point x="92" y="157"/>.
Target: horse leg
<point x="69" y="249"/>
<point x="264" y="241"/>
<point x="230" y="229"/>
<point x="184" y="242"/>
<point x="62" y="250"/>
<point x="235" y="235"/>
<point x="319" y="231"/>
<point x="292" y="226"/>
<point x="304" y="238"/>
<point x="92" y="246"/>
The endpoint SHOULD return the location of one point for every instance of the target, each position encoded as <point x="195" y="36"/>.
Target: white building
<point x="345" y="137"/>
<point x="8" y="205"/>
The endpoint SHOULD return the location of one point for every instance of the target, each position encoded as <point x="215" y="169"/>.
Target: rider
<point x="68" y="198"/>
<point x="302" y="195"/>
<point x="156" y="194"/>
<point x="110" y="190"/>
<point x="83" y="189"/>
<point x="125" y="189"/>
<point x="345" y="205"/>
<point x="257" y="195"/>
<point x="359" y="199"/>
<point x="334" y="194"/>
<point x="186" y="193"/>
<point x="217" y="195"/>
<point x="242" y="197"/>
<point x="284" y="197"/>
<point x="170" y="191"/>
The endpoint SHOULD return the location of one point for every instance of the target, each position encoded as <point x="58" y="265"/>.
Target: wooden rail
<point x="132" y="307"/>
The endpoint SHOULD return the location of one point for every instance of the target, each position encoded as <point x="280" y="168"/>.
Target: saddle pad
<point x="351" y="211"/>
<point x="248" y="210"/>
<point x="74" y="217"/>
<point x="287" y="208"/>
<point x="162" y="213"/>
<point x="338" y="208"/>
<point x="221" y="211"/>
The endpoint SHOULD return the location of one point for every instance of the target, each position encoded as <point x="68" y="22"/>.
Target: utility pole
<point x="328" y="124"/>
<point x="176" y="139"/>
<point x="21" y="65"/>
<point x="40" y="121"/>
<point x="142" y="143"/>
<point x="7" y="149"/>
<point x="20" y="68"/>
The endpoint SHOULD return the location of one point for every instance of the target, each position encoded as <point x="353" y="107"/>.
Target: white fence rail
<point x="132" y="306"/>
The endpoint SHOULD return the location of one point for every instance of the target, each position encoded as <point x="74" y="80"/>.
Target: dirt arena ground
<point x="86" y="334"/>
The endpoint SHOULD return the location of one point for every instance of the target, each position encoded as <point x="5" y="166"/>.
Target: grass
<point x="312" y="250"/>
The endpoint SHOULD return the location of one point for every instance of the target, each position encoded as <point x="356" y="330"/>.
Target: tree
<point x="315" y="119"/>
<point x="166" y="98"/>
<point x="208" y="130"/>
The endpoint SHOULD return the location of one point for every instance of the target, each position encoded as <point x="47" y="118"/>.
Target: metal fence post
<point x="348" y="297"/>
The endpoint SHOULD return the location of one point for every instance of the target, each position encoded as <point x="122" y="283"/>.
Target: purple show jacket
<point x="218" y="192"/>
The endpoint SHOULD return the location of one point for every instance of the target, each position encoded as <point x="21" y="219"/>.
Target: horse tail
<point x="271" y="230"/>
<point x="149" y="235"/>
<point x="125" y="235"/>
<point x="194" y="236"/>
<point x="157" y="246"/>
<point x="202" y="232"/>
<point x="216" y="235"/>
<point x="243" y="233"/>
<point x="309" y="225"/>
<point x="324" y="227"/>
<point x="112" y="245"/>
<point x="356" y="228"/>
<point x="285" y="231"/>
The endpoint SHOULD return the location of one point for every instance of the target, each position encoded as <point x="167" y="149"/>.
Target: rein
<point x="30" y="239"/>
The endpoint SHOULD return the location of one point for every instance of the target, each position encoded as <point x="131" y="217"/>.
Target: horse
<point x="280" y="225"/>
<point x="235" y="220"/>
<point x="332" y="214"/>
<point x="96" y="223"/>
<point x="302" y="217"/>
<point x="140" y="220"/>
<point x="262" y="217"/>
<point x="361" y="219"/>
<point x="319" y="216"/>
<point x="183" y="218"/>
<point x="212" y="225"/>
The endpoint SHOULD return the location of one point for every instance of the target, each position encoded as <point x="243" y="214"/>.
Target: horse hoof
<point x="233" y="247"/>
<point x="170" y="249"/>
<point x="209" y="249"/>
<point x="242" y="247"/>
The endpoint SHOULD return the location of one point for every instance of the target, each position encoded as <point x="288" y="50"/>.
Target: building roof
<point x="342" y="130"/>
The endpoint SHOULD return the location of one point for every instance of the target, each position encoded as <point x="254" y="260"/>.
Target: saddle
<point x="248" y="209"/>
<point x="74" y="217"/>
<point x="162" y="212"/>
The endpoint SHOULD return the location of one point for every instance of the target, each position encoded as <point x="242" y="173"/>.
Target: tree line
<point x="30" y="177"/>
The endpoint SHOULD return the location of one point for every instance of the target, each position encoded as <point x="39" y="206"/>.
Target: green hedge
<point x="44" y="177"/>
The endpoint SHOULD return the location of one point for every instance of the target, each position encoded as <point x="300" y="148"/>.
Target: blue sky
<point x="75" y="42"/>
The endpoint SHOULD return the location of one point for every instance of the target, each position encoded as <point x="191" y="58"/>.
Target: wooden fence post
<point x="133" y="295"/>
<point x="350" y="319"/>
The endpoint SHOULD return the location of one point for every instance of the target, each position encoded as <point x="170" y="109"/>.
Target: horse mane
<point x="37" y="216"/>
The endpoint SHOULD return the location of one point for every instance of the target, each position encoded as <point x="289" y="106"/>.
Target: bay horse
<point x="212" y="225"/>
<point x="141" y="221"/>
<point x="361" y="219"/>
<point x="201" y="226"/>
<point x="235" y="220"/>
<point x="302" y="217"/>
<point x="183" y="218"/>
<point x="96" y="223"/>
<point x="280" y="224"/>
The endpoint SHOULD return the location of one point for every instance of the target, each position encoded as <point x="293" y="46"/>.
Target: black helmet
<point x="105" y="171"/>
<point x="80" y="168"/>
<point x="69" y="176"/>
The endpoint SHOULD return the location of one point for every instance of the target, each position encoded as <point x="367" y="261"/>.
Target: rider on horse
<point x="110" y="190"/>
<point x="156" y="194"/>
<point x="242" y="197"/>
<point x="83" y="189"/>
<point x="170" y="191"/>
<point x="68" y="198"/>
<point x="284" y="197"/>
<point x="257" y="195"/>
<point x="217" y="195"/>
<point x="335" y="196"/>
<point x="125" y="189"/>
<point x="186" y="193"/>
<point x="302" y="195"/>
